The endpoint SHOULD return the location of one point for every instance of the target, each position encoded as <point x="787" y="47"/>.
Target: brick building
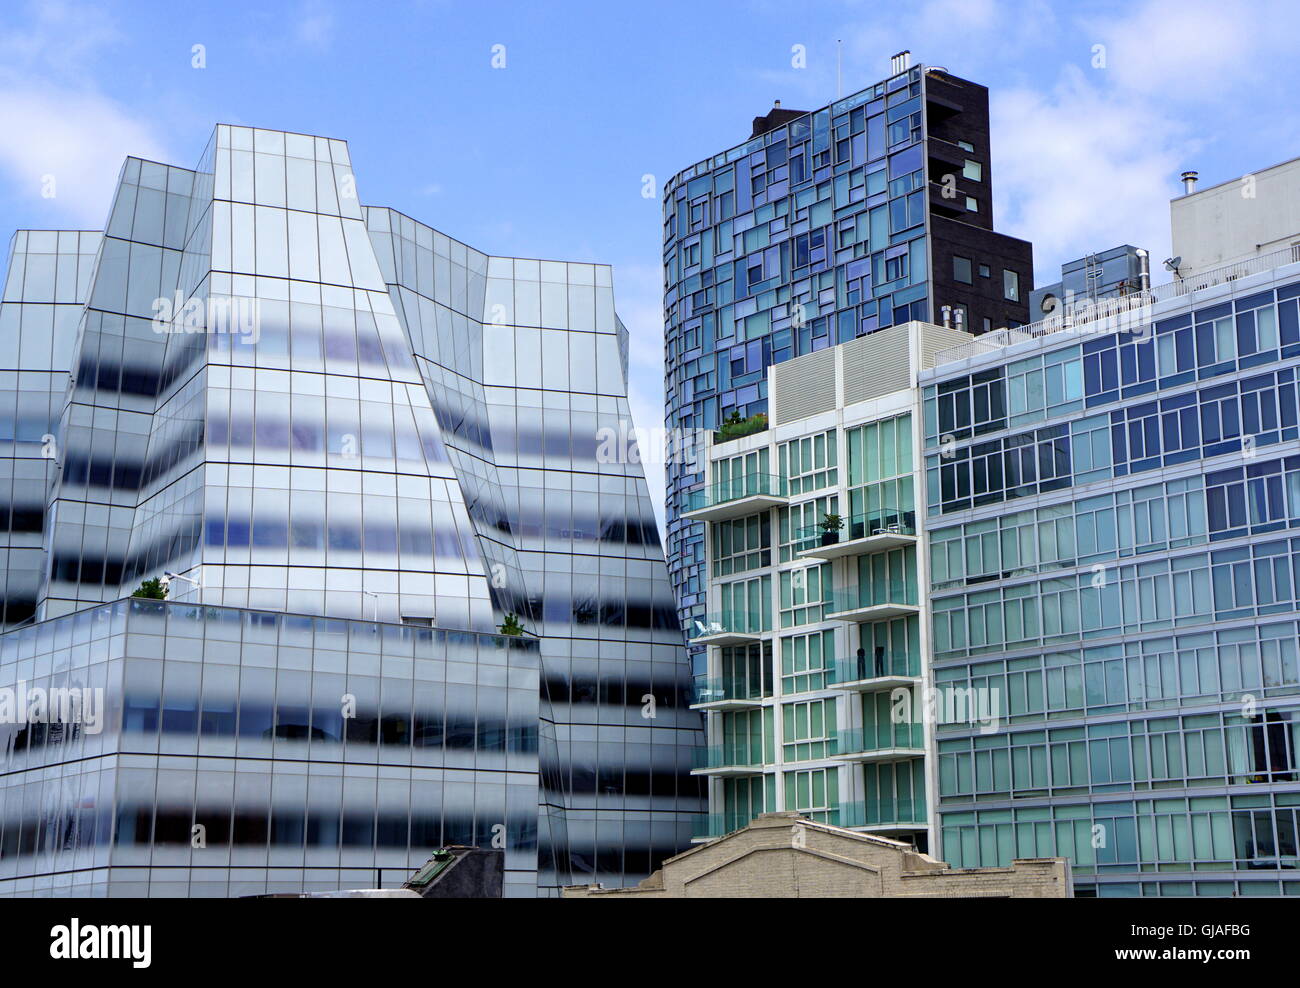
<point x="784" y="855"/>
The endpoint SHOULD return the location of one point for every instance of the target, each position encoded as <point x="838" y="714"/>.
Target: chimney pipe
<point x="776" y="105"/>
<point x="1144" y="270"/>
<point x="947" y="315"/>
<point x="901" y="61"/>
<point x="1189" y="182"/>
<point x="959" y="318"/>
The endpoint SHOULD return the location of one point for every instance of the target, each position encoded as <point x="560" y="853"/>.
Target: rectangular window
<point x="804" y="592"/>
<point x="1011" y="285"/>
<point x="799" y="525"/>
<point x="961" y="270"/>
<point x="972" y="170"/>
<point x="808" y="730"/>
<point x="814" y="793"/>
<point x="741" y="544"/>
<point x="806" y="661"/>
<point x="808" y="464"/>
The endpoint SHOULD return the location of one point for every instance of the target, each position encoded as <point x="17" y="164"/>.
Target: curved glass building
<point x="355" y="447"/>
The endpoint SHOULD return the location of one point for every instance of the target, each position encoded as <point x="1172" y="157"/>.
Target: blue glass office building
<point x="823" y="227"/>
<point x="360" y="445"/>
<point x="1114" y="532"/>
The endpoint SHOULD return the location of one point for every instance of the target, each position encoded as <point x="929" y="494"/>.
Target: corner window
<point x="961" y="270"/>
<point x="1011" y="285"/>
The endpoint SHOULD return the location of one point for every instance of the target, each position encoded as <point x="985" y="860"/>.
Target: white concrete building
<point x="817" y="629"/>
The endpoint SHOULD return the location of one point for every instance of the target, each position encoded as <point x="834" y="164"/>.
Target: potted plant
<point x="830" y="526"/>
<point x="511" y="626"/>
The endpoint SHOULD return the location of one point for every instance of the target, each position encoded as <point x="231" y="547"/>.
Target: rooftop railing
<point x="1119" y="312"/>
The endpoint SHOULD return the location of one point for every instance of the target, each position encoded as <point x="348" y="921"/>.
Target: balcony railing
<point x="717" y="756"/>
<point x="873" y="665"/>
<point x="726" y="491"/>
<point x="883" y="813"/>
<point x="877" y="593"/>
<point x="882" y="522"/>
<point x="712" y="689"/>
<point x="1124" y="310"/>
<point x="881" y="737"/>
<point x="743" y="624"/>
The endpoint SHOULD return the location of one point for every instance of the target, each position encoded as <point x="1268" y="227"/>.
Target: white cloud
<point x="55" y="124"/>
<point x="77" y="139"/>
<point x="315" y="27"/>
<point x="1184" y="50"/>
<point x="1092" y="161"/>
<point x="1076" y="170"/>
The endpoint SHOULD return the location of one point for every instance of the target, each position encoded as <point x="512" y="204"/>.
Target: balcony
<point x="875" y="672"/>
<point x="865" y="533"/>
<point x="946" y="202"/>
<point x="728" y="628"/>
<point x="878" y="600"/>
<point x="883" y="815"/>
<point x="725" y="693"/>
<point x="726" y="759"/>
<point x="945" y="157"/>
<point x="736" y="498"/>
<point x="884" y="743"/>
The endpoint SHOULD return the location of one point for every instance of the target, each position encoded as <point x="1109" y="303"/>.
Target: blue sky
<point x="545" y="157"/>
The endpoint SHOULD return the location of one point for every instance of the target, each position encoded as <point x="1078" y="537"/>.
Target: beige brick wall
<point x="781" y="855"/>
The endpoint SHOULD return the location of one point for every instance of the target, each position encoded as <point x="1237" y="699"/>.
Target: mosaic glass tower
<point x="361" y="446"/>
<point x="823" y="227"/>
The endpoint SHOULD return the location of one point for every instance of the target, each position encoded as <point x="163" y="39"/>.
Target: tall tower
<point x="823" y="227"/>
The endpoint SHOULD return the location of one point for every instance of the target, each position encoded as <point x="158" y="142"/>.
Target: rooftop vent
<point x="1189" y="182"/>
<point x="900" y="62"/>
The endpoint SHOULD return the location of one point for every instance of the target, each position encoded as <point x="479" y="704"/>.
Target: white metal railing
<point x="1124" y="310"/>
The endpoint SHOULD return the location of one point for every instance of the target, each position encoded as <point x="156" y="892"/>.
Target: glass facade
<point x="244" y="752"/>
<point x="304" y="406"/>
<point x="809" y="235"/>
<point x="1111" y="519"/>
<point x="823" y="228"/>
